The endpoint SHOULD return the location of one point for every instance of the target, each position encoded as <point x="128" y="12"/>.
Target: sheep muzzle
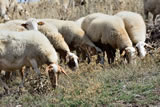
<point x="72" y="61"/>
<point x="54" y="71"/>
<point x="130" y="54"/>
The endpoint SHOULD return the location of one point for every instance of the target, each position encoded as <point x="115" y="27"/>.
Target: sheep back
<point x="109" y="30"/>
<point x="88" y="19"/>
<point x="68" y="29"/>
<point x="135" y="25"/>
<point x="16" y="47"/>
<point x="54" y="37"/>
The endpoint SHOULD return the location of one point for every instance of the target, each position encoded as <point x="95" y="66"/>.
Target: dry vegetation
<point x="92" y="85"/>
<point x="52" y="10"/>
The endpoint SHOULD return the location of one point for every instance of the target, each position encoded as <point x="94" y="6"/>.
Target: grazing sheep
<point x="73" y="35"/>
<point x="109" y="31"/>
<point x="136" y="29"/>
<point x="51" y="33"/>
<point x="18" y="25"/>
<point x="153" y="7"/>
<point x="28" y="48"/>
<point x="59" y="43"/>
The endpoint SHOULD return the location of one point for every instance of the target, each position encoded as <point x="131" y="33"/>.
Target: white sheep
<point x="136" y="29"/>
<point x="50" y="32"/>
<point x="110" y="32"/>
<point x="73" y="35"/>
<point x="59" y="43"/>
<point x="28" y="48"/>
<point x="18" y="25"/>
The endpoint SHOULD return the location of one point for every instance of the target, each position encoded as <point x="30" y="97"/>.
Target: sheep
<point x="52" y="34"/>
<point x="28" y="48"/>
<point x="109" y="32"/>
<point x="55" y="38"/>
<point x="21" y="25"/>
<point x="136" y="29"/>
<point x="151" y="6"/>
<point x="4" y="5"/>
<point x="73" y="35"/>
<point x="18" y="25"/>
<point x="59" y="43"/>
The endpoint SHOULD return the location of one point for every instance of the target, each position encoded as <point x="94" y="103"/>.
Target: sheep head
<point x="129" y="53"/>
<point x="141" y="48"/>
<point x="72" y="60"/>
<point x="53" y="71"/>
<point x="31" y="24"/>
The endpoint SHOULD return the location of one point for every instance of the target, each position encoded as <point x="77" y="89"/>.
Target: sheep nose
<point x="72" y="64"/>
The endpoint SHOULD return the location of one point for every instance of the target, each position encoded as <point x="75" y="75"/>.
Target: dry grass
<point x="92" y="85"/>
<point x="51" y="10"/>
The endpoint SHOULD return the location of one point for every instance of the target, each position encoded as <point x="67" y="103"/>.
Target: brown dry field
<point x="116" y="85"/>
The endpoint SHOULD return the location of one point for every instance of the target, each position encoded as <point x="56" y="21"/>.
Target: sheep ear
<point x="61" y="70"/>
<point x="149" y="46"/>
<point x="48" y="68"/>
<point x="40" y="23"/>
<point x="24" y="25"/>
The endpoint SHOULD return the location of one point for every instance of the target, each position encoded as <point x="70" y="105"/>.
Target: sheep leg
<point x="7" y="76"/>
<point x="88" y="58"/>
<point x="23" y="75"/>
<point x="53" y="78"/>
<point x="35" y="66"/>
<point x="100" y="59"/>
<point x="80" y="53"/>
<point x="85" y="54"/>
<point x="6" y="88"/>
<point x="111" y="53"/>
